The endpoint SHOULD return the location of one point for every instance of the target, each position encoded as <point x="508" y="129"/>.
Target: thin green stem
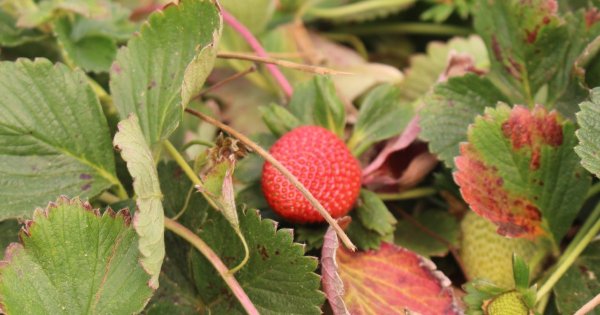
<point x="188" y="197"/>
<point x="197" y="142"/>
<point x="283" y="170"/>
<point x="579" y="243"/>
<point x="198" y="183"/>
<point x="108" y="198"/>
<point x="409" y="194"/>
<point x="246" y="253"/>
<point x="408" y="28"/>
<point x="182" y="163"/>
<point x="595" y="189"/>
<point x="214" y="259"/>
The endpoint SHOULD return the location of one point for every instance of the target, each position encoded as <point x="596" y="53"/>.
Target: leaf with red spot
<point x="519" y="171"/>
<point x="387" y="281"/>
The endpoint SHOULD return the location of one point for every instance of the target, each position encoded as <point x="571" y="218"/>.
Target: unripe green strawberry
<point x="488" y="255"/>
<point x="321" y="162"/>
<point x="509" y="303"/>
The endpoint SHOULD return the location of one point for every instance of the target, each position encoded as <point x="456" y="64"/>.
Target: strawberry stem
<point x="582" y="239"/>
<point x="260" y="51"/>
<point x="214" y="259"/>
<point x="409" y="194"/>
<point x="284" y="171"/>
<point x="198" y="183"/>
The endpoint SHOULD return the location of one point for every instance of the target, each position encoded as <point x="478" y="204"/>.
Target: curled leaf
<point x="386" y="281"/>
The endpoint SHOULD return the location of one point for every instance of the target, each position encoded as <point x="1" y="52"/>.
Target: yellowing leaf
<point x="387" y="281"/>
<point x="149" y="217"/>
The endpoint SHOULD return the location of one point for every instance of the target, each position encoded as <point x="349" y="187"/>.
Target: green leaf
<point x="381" y="116"/>
<point x="580" y="283"/>
<point x="519" y="171"/>
<point x="316" y="103"/>
<point x="426" y="69"/>
<point x="73" y="260"/>
<point x="411" y="236"/>
<point x="155" y="74"/>
<point x="177" y="293"/>
<point x="526" y="43"/>
<point x="33" y="15"/>
<point x="11" y="35"/>
<point x="149" y="219"/>
<point x="359" y="11"/>
<point x="371" y="222"/>
<point x="254" y="14"/>
<point x="450" y="109"/>
<point x="589" y="133"/>
<point x="92" y="53"/>
<point x="54" y="138"/>
<point x="520" y="272"/>
<point x="373" y="213"/>
<point x="277" y="278"/>
<point x="279" y="120"/>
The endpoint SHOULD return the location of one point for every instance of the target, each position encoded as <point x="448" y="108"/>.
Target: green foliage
<point x="149" y="219"/>
<point x="11" y="35"/>
<point x="153" y="76"/>
<point x="450" y="109"/>
<point x="589" y="140"/>
<point x="381" y="117"/>
<point x="278" y="119"/>
<point x="277" y="278"/>
<point x="73" y="260"/>
<point x="580" y="283"/>
<point x="359" y="11"/>
<point x="316" y="103"/>
<point x="92" y="43"/>
<point x="411" y="235"/>
<point x="54" y="137"/>
<point x="372" y="222"/>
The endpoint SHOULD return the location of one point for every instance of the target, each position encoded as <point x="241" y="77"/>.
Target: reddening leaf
<point x="519" y="171"/>
<point x="589" y="133"/>
<point x="53" y="134"/>
<point x="529" y="50"/>
<point x="73" y="260"/>
<point x="386" y="281"/>
<point x="316" y="103"/>
<point x="149" y="217"/>
<point x="159" y="70"/>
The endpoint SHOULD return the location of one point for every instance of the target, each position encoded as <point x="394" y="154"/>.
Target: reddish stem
<point x="260" y="51"/>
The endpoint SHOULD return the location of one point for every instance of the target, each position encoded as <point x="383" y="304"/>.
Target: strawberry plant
<point x="292" y="157"/>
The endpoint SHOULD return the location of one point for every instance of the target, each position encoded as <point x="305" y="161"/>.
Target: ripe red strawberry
<point x="322" y="162"/>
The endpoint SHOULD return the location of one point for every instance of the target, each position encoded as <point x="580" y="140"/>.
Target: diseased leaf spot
<point x="532" y="129"/>
<point x="482" y="187"/>
<point x="86" y="187"/>
<point x="85" y="176"/>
